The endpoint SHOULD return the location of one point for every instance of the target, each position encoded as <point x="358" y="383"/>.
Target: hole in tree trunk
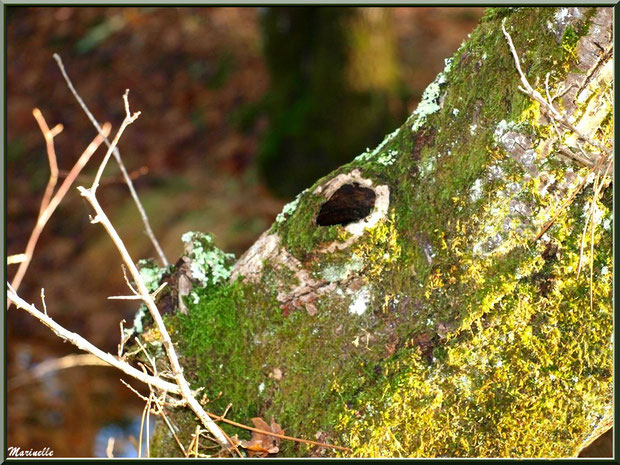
<point x="350" y="203"/>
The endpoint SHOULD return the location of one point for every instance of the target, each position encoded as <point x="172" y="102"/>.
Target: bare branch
<point x="51" y="366"/>
<point x="124" y="339"/>
<point x="129" y="118"/>
<point x="86" y="346"/>
<point x="136" y="295"/>
<point x="109" y="450"/>
<point x="118" y="159"/>
<point x="43" y="301"/>
<point x="46" y="213"/>
<point x="15" y="259"/>
<point x="51" y="156"/>
<point x="547" y="105"/>
<point x="101" y="217"/>
<point x="183" y="385"/>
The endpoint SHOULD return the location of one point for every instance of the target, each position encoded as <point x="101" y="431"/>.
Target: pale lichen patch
<point x="360" y="301"/>
<point x="369" y="155"/>
<point x="289" y="208"/>
<point x="427" y="166"/>
<point x="430" y="102"/>
<point x="388" y="158"/>
<point x="564" y="17"/>
<point x="208" y="264"/>
<point x="334" y="272"/>
<point x="151" y="273"/>
<point x="475" y="192"/>
<point x="502" y="127"/>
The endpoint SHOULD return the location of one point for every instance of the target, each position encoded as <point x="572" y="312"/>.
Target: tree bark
<point x="436" y="308"/>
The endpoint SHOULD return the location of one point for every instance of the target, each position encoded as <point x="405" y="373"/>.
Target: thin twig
<point x="160" y="411"/>
<point x="127" y="280"/>
<point x="16" y="259"/>
<point x="129" y="118"/>
<point x="550" y="100"/>
<point x="174" y="434"/>
<point x="197" y="436"/>
<point x="124" y="338"/>
<point x="563" y="119"/>
<point x="569" y="200"/>
<point x="43" y="301"/>
<point x="86" y="346"/>
<point x="110" y="180"/>
<point x="183" y="385"/>
<point x="275" y="435"/>
<point x="142" y="427"/>
<point x="529" y="90"/>
<point x="148" y="357"/>
<point x="193" y="444"/>
<point x="51" y="156"/>
<point x="186" y="392"/>
<point x="46" y="213"/>
<point x="121" y="165"/>
<point x="51" y="366"/>
<point x="235" y="448"/>
<point x="109" y="450"/>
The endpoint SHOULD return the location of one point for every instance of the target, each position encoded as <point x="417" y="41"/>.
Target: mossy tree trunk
<point x="421" y="314"/>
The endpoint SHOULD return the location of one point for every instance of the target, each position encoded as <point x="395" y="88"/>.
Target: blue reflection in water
<point x="121" y="431"/>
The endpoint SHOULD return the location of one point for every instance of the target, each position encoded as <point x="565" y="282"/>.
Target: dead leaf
<point x="276" y="374"/>
<point x="261" y="445"/>
<point x="311" y="309"/>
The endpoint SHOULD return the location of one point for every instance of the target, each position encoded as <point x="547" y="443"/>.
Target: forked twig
<point x="548" y="106"/>
<point x="86" y="346"/>
<point x="49" y="203"/>
<point x="129" y="118"/>
<point x="102" y="218"/>
<point x="121" y="165"/>
<point x="51" y="156"/>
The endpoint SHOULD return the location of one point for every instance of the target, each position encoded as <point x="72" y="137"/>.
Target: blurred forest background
<point x="242" y="108"/>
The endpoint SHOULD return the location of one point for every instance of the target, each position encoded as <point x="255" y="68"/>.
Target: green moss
<point x="297" y="227"/>
<point x="463" y="335"/>
<point x="236" y="368"/>
<point x="493" y="14"/>
<point x="521" y="383"/>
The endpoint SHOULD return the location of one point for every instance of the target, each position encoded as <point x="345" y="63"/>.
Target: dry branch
<point x="86" y="346"/>
<point x="121" y="165"/>
<point x="101" y="217"/>
<point x="48" y="206"/>
<point x="51" y="366"/>
<point x="547" y="105"/>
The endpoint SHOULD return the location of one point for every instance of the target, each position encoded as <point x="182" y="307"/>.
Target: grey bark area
<point x="464" y="308"/>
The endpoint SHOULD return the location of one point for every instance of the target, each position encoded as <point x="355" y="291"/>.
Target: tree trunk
<point x="405" y="305"/>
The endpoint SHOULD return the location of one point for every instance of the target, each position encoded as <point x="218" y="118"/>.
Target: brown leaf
<point x="276" y="374"/>
<point x="261" y="445"/>
<point x="275" y="428"/>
